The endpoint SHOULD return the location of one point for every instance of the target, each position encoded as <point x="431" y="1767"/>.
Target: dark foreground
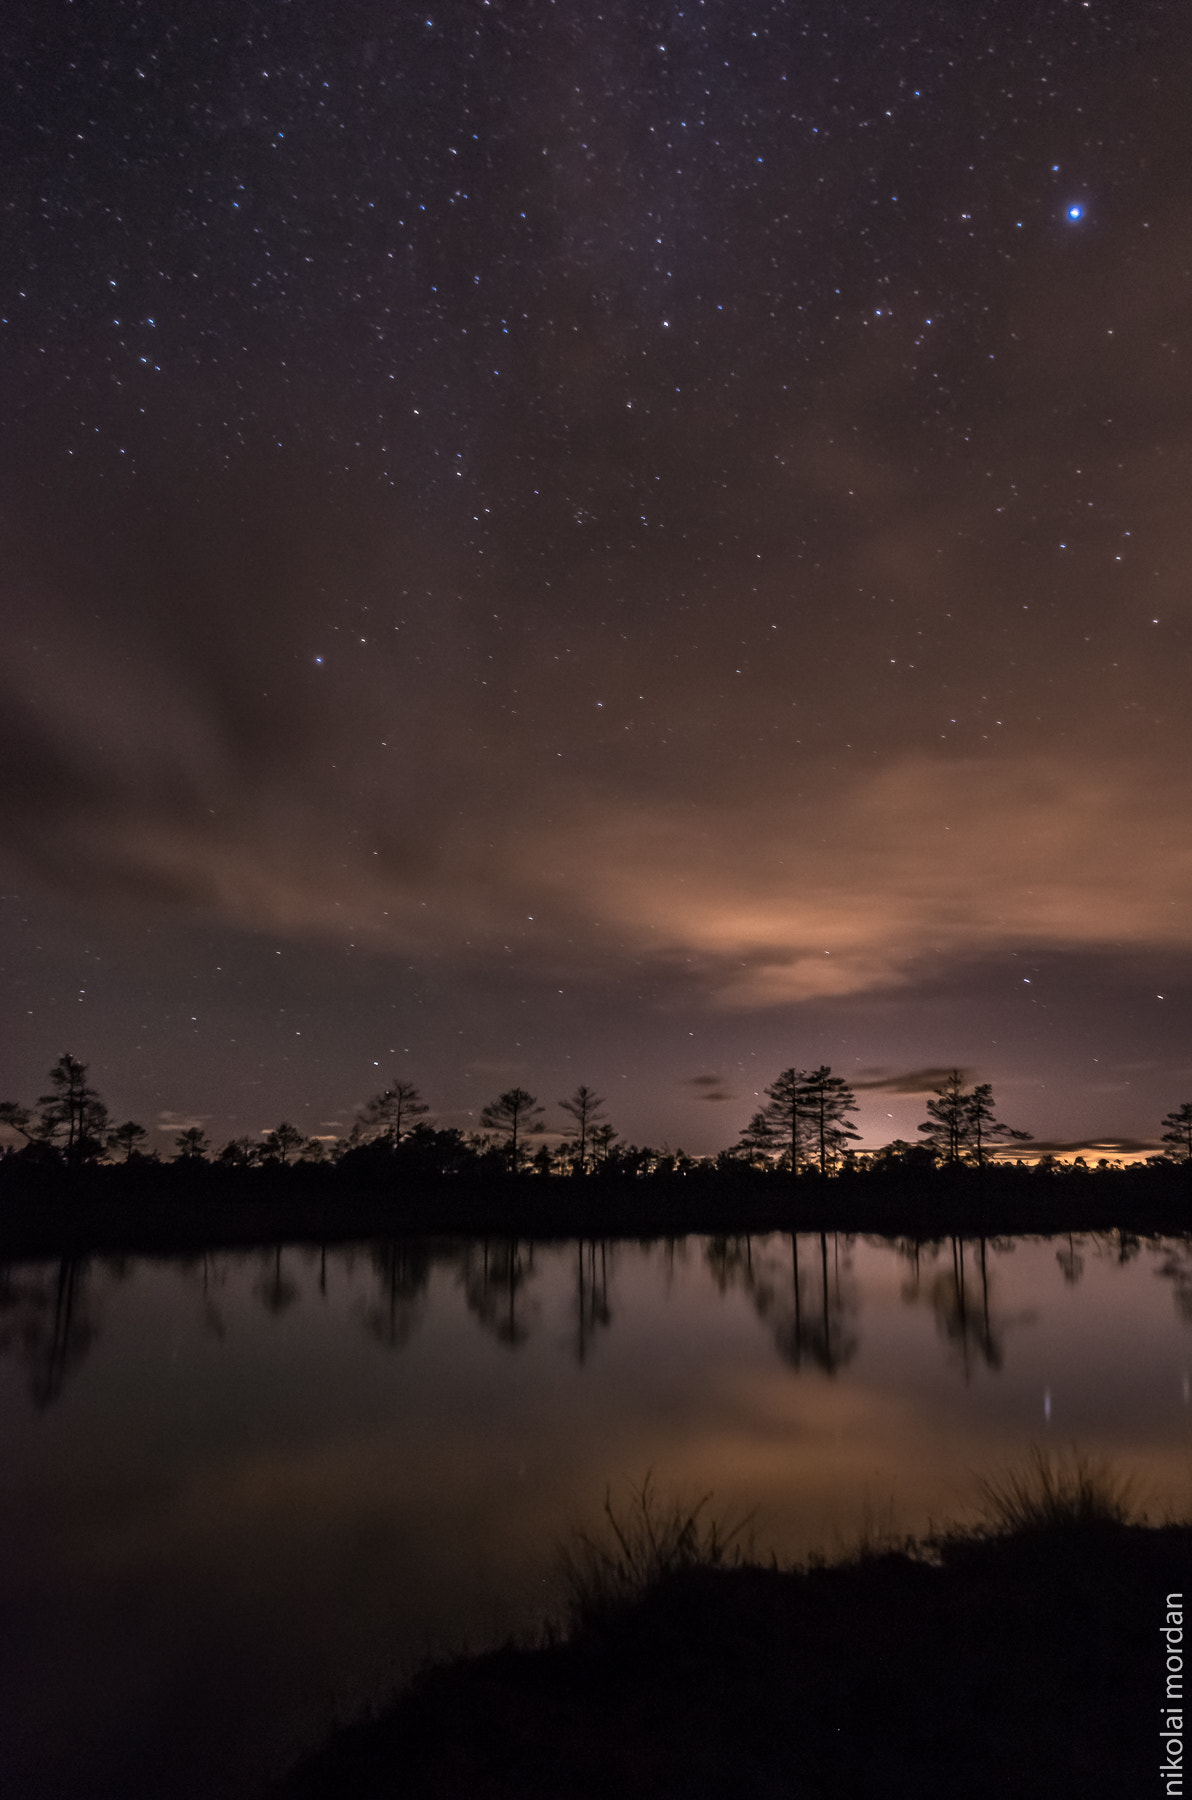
<point x="1028" y="1665"/>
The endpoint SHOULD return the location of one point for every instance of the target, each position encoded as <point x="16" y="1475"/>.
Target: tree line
<point x="804" y="1126"/>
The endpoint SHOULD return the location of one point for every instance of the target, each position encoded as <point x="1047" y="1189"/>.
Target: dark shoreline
<point x="162" y="1210"/>
<point x="1028" y="1664"/>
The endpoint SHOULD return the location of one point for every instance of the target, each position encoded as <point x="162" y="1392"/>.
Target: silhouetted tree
<point x="783" y="1123"/>
<point x="983" y="1128"/>
<point x="428" y="1150"/>
<point x="192" y="1144"/>
<point x="280" y="1145"/>
<point x="902" y="1155"/>
<point x="73" y="1115"/>
<point x="1179" y="1131"/>
<point x="585" y="1108"/>
<point x="351" y="1140"/>
<point x="237" y="1153"/>
<point x="17" y="1118"/>
<point x="603" y="1141"/>
<point x="962" y="1126"/>
<point x="827" y="1098"/>
<point x="127" y="1137"/>
<point x="632" y="1159"/>
<point x="947" y="1127"/>
<point x="758" y="1141"/>
<point x="390" y="1114"/>
<point x="513" y="1115"/>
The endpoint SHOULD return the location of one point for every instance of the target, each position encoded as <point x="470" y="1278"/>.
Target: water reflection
<point x="809" y="1309"/>
<point x="297" y="1468"/>
<point x="213" y="1276"/>
<point x="494" y="1275"/>
<point x="275" y="1291"/>
<point x="1176" y="1267"/>
<point x="592" y="1310"/>
<point x="800" y="1286"/>
<point x="47" y="1323"/>
<point x="1070" y="1260"/>
<point x="403" y="1274"/>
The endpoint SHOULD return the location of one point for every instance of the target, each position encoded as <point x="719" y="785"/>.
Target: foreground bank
<point x="1027" y="1663"/>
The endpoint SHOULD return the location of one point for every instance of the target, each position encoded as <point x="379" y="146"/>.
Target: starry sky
<point x="634" y="545"/>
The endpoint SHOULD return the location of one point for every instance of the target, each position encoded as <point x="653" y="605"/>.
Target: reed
<point x="1050" y="1493"/>
<point x="640" y="1545"/>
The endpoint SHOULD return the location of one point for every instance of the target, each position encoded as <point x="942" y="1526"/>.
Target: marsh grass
<point x="1052" y="1493"/>
<point x="640" y="1543"/>
<point x="639" y="1546"/>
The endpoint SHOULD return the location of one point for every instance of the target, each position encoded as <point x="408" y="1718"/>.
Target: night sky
<point x="634" y="546"/>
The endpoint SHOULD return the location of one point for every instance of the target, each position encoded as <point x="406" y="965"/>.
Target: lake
<point x="245" y="1493"/>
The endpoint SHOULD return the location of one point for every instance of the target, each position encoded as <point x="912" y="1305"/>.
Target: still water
<point x="244" y="1493"/>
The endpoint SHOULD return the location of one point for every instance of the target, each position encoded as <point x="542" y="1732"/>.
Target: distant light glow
<point x="1075" y="211"/>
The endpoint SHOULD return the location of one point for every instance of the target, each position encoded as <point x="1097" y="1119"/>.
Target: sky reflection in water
<point x="247" y="1492"/>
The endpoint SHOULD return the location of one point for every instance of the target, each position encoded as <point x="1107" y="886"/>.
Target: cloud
<point x="899" y="873"/>
<point x="924" y="863"/>
<point x="711" y="1087"/>
<point x="184" y="756"/>
<point x="915" y="1081"/>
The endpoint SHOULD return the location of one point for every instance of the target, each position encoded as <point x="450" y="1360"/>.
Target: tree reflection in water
<point x="592" y="1311"/>
<point x="403" y="1268"/>
<point x="494" y="1275"/>
<point x="960" y="1300"/>
<point x="46" y="1321"/>
<point x="809" y="1311"/>
<point x="1070" y="1260"/>
<point x="275" y="1291"/>
<point x="212" y="1276"/>
<point x="1176" y="1267"/>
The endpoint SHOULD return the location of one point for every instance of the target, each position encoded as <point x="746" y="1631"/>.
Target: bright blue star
<point x="1075" y="211"/>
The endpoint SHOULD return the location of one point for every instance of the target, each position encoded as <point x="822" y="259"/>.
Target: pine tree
<point x="946" y="1130"/>
<point x="783" y="1123"/>
<point x="514" y="1114"/>
<point x="389" y="1115"/>
<point x="127" y="1137"/>
<point x="758" y="1139"/>
<point x="983" y="1128"/>
<point x="1179" y="1131"/>
<point x="962" y="1125"/>
<point x="585" y="1108"/>
<point x="280" y="1145"/>
<point x="826" y="1100"/>
<point x="73" y="1113"/>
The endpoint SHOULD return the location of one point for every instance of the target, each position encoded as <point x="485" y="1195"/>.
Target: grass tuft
<point x="1046" y="1493"/>
<point x="639" y="1546"/>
